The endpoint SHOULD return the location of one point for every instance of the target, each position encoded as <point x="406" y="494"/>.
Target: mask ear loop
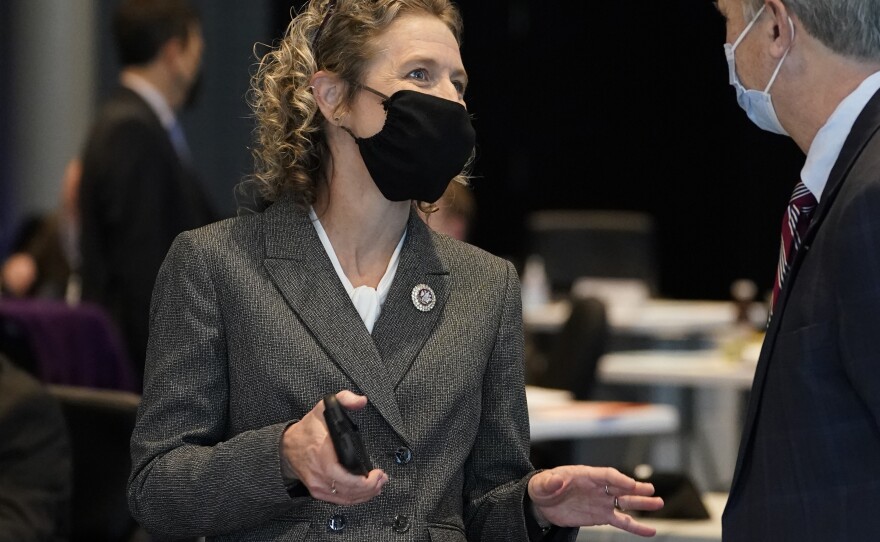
<point x="748" y="27"/>
<point x="779" y="66"/>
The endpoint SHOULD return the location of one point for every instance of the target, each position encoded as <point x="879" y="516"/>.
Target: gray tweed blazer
<point x="250" y="327"/>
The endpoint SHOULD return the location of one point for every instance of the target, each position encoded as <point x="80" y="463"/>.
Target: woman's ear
<point x="329" y="92"/>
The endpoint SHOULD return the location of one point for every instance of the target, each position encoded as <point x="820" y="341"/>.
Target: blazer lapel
<point x="402" y="329"/>
<point x="865" y="127"/>
<point x="302" y="271"/>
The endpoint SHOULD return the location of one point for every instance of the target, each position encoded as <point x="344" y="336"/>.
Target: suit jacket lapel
<point x="865" y="126"/>
<point x="302" y="271"/>
<point x="402" y="330"/>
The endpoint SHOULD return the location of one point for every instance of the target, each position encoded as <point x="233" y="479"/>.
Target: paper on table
<point x="541" y="397"/>
<point x="593" y="409"/>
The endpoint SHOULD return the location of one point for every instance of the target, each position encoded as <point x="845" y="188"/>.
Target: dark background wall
<point x="6" y="197"/>
<point x="611" y="105"/>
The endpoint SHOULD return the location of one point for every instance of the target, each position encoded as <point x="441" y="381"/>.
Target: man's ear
<point x="783" y="27"/>
<point x="171" y="50"/>
<point x="329" y="91"/>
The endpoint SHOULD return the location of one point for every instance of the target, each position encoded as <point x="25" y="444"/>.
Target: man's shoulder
<point x="123" y="122"/>
<point x="124" y="106"/>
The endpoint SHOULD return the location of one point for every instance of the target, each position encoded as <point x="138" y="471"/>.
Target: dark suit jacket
<point x="35" y="461"/>
<point x="136" y="195"/>
<point x="809" y="460"/>
<point x="251" y="326"/>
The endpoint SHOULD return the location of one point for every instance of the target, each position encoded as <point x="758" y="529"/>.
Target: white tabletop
<point x="695" y="368"/>
<point x="708" y="387"/>
<point x="554" y="415"/>
<point x="658" y="317"/>
<point x="668" y="530"/>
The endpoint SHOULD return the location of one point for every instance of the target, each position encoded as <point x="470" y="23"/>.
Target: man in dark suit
<point x="809" y="460"/>
<point x="139" y="189"/>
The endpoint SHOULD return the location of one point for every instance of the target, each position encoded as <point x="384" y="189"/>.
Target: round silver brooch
<point x="423" y="297"/>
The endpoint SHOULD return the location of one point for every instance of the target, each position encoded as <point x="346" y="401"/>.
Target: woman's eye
<point x="460" y="87"/>
<point x="420" y="74"/>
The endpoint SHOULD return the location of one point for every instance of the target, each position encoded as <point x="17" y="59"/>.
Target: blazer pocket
<point x="446" y="533"/>
<point x="279" y="530"/>
<point x="807" y="349"/>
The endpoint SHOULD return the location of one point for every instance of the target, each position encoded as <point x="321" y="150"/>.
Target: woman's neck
<point x="364" y="229"/>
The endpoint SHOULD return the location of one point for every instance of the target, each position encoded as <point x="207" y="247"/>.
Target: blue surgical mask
<point x="756" y="103"/>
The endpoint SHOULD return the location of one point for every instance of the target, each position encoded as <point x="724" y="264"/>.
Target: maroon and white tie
<point x="794" y="226"/>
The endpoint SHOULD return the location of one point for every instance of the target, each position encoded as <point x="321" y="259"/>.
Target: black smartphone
<point x="346" y="438"/>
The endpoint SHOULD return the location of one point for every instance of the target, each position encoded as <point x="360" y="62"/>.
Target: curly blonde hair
<point x="291" y="150"/>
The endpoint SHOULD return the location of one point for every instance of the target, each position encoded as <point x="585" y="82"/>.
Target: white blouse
<point x="366" y="299"/>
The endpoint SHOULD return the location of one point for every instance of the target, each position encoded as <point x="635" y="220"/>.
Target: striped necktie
<point x="794" y="226"/>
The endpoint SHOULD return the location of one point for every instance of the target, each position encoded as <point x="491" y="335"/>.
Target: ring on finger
<point x="333" y="487"/>
<point x="617" y="504"/>
<point x="606" y="490"/>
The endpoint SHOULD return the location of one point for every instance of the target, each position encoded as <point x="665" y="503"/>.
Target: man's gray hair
<point x="848" y="27"/>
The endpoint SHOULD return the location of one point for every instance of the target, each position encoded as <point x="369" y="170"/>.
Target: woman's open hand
<point x="578" y="495"/>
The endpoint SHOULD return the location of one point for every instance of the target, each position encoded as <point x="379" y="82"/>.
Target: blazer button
<point x="400" y="524"/>
<point x="402" y="455"/>
<point x="336" y="522"/>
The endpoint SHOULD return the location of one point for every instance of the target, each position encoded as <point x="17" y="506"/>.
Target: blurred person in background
<point x="35" y="460"/>
<point x="453" y="213"/>
<point x="809" y="460"/>
<point x="139" y="188"/>
<point x="44" y="261"/>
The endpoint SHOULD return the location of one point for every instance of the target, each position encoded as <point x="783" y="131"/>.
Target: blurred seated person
<point x="35" y="460"/>
<point x="454" y="212"/>
<point x="45" y="258"/>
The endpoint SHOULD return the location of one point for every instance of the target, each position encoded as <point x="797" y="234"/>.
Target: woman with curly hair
<point x="339" y="288"/>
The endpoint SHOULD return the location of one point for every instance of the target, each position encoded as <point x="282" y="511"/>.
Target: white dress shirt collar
<point x="151" y="95"/>
<point x="829" y="140"/>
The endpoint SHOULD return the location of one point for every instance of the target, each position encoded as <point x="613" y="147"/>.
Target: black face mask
<point x="424" y="144"/>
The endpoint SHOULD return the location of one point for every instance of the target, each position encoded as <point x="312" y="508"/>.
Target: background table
<point x="660" y="317"/>
<point x="694" y="368"/>
<point x="676" y="352"/>
<point x="566" y="431"/>
<point x="711" y="391"/>
<point x="554" y="416"/>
